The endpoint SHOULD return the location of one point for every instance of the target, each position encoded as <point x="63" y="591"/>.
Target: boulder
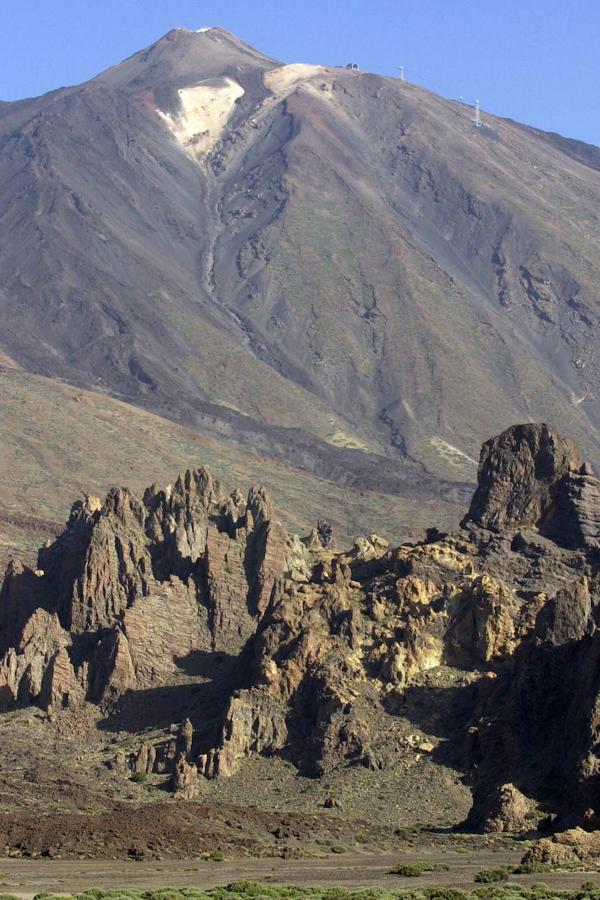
<point x="505" y="809"/>
<point x="520" y="475"/>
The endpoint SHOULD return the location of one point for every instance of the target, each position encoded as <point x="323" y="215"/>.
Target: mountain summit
<point x="332" y="267"/>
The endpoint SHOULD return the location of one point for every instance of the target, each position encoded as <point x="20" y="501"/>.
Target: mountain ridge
<point x="340" y="271"/>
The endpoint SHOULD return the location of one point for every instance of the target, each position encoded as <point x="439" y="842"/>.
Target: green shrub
<point x="217" y="856"/>
<point x="165" y="894"/>
<point x="337" y="848"/>
<point x="531" y="868"/>
<point x="139" y="777"/>
<point x="257" y="889"/>
<point x="413" y="870"/>
<point x="487" y="876"/>
<point x="441" y="893"/>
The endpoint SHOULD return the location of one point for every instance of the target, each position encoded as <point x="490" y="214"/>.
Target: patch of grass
<point x="217" y="856"/>
<point x="414" y="870"/>
<point x="437" y="893"/>
<point x="254" y="890"/>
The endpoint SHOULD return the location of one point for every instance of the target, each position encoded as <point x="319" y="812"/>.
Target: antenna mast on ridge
<point x="477" y="120"/>
<point x="402" y="78"/>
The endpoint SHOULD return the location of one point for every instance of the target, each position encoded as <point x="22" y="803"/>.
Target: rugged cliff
<point x="197" y="612"/>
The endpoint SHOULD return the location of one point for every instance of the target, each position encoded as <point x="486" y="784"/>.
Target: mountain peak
<point x="183" y="57"/>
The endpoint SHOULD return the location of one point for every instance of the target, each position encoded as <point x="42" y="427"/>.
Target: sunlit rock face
<point x="276" y="643"/>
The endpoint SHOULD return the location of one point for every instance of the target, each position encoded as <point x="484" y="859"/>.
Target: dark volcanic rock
<point x="532" y="477"/>
<point x="521" y="473"/>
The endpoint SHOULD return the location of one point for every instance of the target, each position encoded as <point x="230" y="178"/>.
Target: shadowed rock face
<point x="521" y="476"/>
<point x="291" y="646"/>
<point x="532" y="477"/>
<point x="133" y="585"/>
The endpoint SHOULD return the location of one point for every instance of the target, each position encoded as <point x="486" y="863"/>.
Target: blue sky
<point x="537" y="61"/>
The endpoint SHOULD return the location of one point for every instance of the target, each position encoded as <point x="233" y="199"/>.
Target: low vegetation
<point x="244" y="890"/>
<point x="488" y="876"/>
<point x="139" y="777"/>
<point x="413" y="870"/>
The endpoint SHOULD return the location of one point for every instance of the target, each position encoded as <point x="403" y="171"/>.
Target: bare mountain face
<point x="335" y="269"/>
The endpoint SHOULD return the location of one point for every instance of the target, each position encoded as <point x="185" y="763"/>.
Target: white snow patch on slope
<point x="203" y="113"/>
<point x="283" y="80"/>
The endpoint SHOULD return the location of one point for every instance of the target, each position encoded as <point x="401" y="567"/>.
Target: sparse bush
<point x="338" y="848"/>
<point x="414" y="870"/>
<point x="217" y="856"/>
<point x="440" y="893"/>
<point x="139" y="777"/>
<point x="491" y="889"/>
<point x="165" y="894"/>
<point x="487" y="876"/>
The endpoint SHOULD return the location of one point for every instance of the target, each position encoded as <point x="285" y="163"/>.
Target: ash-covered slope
<point x="333" y="267"/>
<point x="191" y="612"/>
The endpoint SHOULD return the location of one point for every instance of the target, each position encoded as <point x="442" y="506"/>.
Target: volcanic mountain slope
<point x="59" y="441"/>
<point x="208" y="637"/>
<point x="331" y="267"/>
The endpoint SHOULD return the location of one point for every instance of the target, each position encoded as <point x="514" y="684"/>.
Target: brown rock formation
<point x="520" y="474"/>
<point x="532" y="477"/>
<point x="189" y="603"/>
<point x="133" y="588"/>
<point x="507" y="809"/>
<point x="566" y="847"/>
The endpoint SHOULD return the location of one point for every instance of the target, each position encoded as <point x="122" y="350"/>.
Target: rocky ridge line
<point x="284" y="645"/>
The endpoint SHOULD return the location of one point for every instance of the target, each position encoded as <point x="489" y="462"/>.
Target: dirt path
<point x="353" y="870"/>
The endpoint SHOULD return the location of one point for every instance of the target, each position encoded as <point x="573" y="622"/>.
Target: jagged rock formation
<point x="132" y="587"/>
<point x="282" y="645"/>
<point x="530" y="476"/>
<point x="506" y="809"/>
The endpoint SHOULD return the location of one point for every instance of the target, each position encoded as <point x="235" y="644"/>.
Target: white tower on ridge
<point x="477" y="120"/>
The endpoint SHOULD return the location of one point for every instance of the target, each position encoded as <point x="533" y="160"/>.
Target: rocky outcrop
<point x="506" y="809"/>
<point x="253" y="723"/>
<point x="575" y="846"/>
<point x="134" y="588"/>
<point x="532" y="477"/>
<point x="190" y="605"/>
<point x="38" y="666"/>
<point x="521" y="473"/>
<point x="185" y="781"/>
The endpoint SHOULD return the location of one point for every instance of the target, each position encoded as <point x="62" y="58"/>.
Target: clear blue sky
<point x="537" y="61"/>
